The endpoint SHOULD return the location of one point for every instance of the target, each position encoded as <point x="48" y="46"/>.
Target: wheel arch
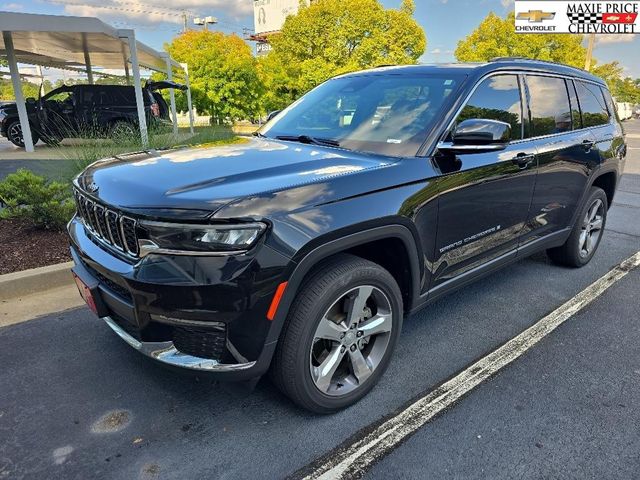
<point x="366" y="244"/>
<point x="607" y="181"/>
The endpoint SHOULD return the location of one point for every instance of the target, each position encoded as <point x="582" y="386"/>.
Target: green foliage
<point x="28" y="89"/>
<point x="31" y="197"/>
<point x="496" y="37"/>
<point x="222" y="73"/>
<point x="623" y="89"/>
<point x="331" y="37"/>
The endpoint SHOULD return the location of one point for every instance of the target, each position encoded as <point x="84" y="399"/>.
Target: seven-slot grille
<point x="108" y="225"/>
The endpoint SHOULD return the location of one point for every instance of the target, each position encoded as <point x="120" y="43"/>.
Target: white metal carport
<point x="81" y="44"/>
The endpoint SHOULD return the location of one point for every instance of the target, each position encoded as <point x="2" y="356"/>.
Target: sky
<point x="445" y="22"/>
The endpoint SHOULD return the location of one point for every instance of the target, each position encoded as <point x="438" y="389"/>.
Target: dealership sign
<point x="599" y="17"/>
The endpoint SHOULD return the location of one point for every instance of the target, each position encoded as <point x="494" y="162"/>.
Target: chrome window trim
<point x="517" y="73"/>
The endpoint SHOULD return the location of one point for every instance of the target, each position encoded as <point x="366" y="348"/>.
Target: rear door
<point x="566" y="155"/>
<point x="484" y="197"/>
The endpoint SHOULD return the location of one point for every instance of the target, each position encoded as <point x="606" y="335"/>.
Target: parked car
<point x="81" y="110"/>
<point x="302" y="251"/>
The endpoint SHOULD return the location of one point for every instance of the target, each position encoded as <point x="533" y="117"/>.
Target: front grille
<point x="110" y="226"/>
<point x="201" y="342"/>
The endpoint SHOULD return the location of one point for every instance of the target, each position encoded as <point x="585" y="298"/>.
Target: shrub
<point x="31" y="197"/>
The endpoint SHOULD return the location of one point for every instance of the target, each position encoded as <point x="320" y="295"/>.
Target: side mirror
<point x="478" y="135"/>
<point x="272" y="114"/>
<point x="30" y="101"/>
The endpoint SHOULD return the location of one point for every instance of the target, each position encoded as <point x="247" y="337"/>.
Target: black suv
<point x="86" y="110"/>
<point x="302" y="250"/>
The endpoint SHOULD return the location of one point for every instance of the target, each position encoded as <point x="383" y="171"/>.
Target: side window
<point x="549" y="105"/>
<point x="575" y="107"/>
<point x="592" y="104"/>
<point x="613" y="109"/>
<point x="496" y="98"/>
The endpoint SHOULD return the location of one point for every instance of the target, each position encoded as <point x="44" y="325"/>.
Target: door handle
<point x="588" y="145"/>
<point x="523" y="160"/>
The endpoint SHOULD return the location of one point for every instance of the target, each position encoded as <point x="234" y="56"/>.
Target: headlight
<point x="199" y="238"/>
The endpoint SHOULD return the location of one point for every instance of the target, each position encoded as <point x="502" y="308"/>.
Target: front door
<point x="484" y="198"/>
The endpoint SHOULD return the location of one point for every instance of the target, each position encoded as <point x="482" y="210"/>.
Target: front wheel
<point x="585" y="237"/>
<point x="340" y="334"/>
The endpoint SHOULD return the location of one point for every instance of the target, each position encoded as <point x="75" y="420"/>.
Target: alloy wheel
<point x="351" y="340"/>
<point x="15" y="133"/>
<point x="591" y="228"/>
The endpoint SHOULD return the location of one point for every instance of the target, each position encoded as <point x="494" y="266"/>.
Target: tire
<point x="333" y="291"/>
<point x="14" y="134"/>
<point x="587" y="232"/>
<point x="121" y="130"/>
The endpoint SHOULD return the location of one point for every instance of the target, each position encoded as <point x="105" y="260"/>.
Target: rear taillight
<point x="155" y="109"/>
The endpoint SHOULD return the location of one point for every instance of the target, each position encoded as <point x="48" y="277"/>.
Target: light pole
<point x="205" y="21"/>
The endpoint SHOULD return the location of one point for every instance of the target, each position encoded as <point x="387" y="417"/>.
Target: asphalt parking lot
<point x="76" y="402"/>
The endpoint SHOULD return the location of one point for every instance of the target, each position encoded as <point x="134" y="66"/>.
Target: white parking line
<point x="352" y="460"/>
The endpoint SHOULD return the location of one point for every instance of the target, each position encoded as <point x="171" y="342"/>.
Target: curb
<point x="35" y="280"/>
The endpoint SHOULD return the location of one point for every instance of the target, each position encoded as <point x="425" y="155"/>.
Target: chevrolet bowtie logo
<point x="536" y="16"/>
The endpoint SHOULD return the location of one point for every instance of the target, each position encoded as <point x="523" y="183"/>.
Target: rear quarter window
<point x="592" y="104"/>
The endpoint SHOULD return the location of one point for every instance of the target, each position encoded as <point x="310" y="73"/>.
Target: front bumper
<point x="175" y="309"/>
<point x="166" y="352"/>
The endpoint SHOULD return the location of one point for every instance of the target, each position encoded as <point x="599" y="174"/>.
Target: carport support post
<point x="172" y="95"/>
<point x="17" y="91"/>
<point x="87" y="59"/>
<point x="137" y="85"/>
<point x="189" y="106"/>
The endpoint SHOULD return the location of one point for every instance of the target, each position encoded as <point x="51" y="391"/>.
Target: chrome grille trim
<point x="107" y="225"/>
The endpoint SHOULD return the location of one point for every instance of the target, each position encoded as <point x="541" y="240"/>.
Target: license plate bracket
<point x="88" y="289"/>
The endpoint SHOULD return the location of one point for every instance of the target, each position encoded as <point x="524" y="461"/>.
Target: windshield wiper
<point x="309" y="139"/>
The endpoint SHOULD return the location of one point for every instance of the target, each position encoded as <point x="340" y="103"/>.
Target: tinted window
<point x="609" y="101"/>
<point x="592" y="104"/>
<point x="496" y="98"/>
<point x="575" y="107"/>
<point x="549" y="105"/>
<point x="117" y="96"/>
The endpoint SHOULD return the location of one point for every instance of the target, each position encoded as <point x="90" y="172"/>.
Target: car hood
<point x="207" y="178"/>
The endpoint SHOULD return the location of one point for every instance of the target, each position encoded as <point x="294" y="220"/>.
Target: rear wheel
<point x="585" y="237"/>
<point x="122" y="130"/>
<point x="14" y="134"/>
<point x="340" y="334"/>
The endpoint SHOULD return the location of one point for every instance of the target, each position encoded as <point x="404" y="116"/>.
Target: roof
<point x="61" y="42"/>
<point x="480" y="69"/>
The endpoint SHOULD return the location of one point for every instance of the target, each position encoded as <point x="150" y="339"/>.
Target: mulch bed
<point x="23" y="247"/>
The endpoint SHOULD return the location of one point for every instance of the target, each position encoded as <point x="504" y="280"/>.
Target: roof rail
<point x="508" y="59"/>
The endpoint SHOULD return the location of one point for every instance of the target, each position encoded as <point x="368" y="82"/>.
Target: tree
<point x="222" y="72"/>
<point x="623" y="89"/>
<point x="29" y="89"/>
<point x="496" y="37"/>
<point x="330" y="37"/>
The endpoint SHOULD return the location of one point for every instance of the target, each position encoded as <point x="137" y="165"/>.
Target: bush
<point x="31" y="197"/>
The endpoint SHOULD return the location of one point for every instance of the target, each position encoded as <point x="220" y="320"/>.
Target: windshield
<point x="385" y="114"/>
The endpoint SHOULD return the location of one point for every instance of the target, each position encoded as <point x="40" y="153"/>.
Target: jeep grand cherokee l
<point x="301" y="251"/>
<point x="86" y="110"/>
